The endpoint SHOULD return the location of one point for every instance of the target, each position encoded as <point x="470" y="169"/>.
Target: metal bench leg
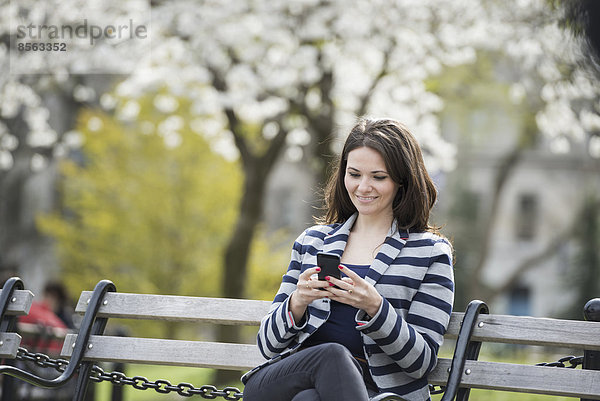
<point x="465" y="350"/>
<point x="99" y="324"/>
<point x="85" y="368"/>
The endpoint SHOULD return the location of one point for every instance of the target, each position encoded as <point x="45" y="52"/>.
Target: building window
<point x="527" y="216"/>
<point x="520" y="301"/>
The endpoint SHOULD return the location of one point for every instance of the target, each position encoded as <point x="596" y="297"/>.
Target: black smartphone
<point x="329" y="264"/>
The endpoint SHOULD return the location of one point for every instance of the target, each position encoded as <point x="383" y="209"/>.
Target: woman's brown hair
<point x="404" y="162"/>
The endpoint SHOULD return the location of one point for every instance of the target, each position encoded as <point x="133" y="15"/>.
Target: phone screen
<point x="329" y="264"/>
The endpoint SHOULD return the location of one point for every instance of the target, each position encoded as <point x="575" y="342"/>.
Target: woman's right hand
<point x="307" y="290"/>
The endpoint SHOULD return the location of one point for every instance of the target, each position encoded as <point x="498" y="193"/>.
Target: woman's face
<point x="368" y="183"/>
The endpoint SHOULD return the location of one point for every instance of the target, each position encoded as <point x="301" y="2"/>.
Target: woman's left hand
<point x="354" y="291"/>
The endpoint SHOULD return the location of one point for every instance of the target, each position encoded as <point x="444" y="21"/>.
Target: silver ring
<point x="307" y="286"/>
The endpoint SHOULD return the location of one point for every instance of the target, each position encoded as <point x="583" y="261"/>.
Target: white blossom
<point x="6" y="160"/>
<point x="269" y="51"/>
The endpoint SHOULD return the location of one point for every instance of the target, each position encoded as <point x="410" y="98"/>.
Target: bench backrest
<point x="578" y="335"/>
<point x="174" y="352"/>
<point x="522" y="330"/>
<point x="18" y="305"/>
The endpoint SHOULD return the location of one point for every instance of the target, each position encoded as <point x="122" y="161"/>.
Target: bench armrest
<point x="464" y="350"/>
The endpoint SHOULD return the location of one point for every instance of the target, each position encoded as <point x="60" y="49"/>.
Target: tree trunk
<point x="237" y="252"/>
<point x="238" y="249"/>
<point x="475" y="288"/>
<point x="322" y="127"/>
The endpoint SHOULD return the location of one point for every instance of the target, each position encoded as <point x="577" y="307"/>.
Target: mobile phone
<point x="329" y="264"/>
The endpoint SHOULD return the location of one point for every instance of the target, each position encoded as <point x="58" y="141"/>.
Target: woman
<point x="379" y="328"/>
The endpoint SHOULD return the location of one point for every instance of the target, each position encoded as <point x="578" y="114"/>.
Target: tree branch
<point x="366" y="98"/>
<point x="534" y="260"/>
<point x="219" y="83"/>
<point x="506" y="168"/>
<point x="527" y="264"/>
<point x="275" y="145"/>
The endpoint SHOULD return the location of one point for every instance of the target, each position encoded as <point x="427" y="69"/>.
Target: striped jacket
<point x="413" y="273"/>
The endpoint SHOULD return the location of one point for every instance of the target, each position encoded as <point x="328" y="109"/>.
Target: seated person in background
<point x="43" y="329"/>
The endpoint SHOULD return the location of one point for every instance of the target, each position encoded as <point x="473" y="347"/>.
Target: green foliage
<point x="268" y="262"/>
<point x="150" y="207"/>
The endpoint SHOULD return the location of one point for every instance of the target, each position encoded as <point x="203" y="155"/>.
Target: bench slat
<point x="524" y="378"/>
<point x="178" y="308"/>
<point x="532" y="331"/>
<point x="169" y="352"/>
<point x="484" y="375"/>
<point x="496" y="328"/>
<point x="21" y="304"/>
<point x="9" y="344"/>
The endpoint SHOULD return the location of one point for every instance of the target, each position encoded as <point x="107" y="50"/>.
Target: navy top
<point x="340" y="327"/>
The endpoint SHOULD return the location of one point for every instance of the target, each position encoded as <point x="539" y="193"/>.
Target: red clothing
<point x="47" y="326"/>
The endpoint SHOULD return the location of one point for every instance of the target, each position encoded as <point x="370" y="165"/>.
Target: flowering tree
<point x="272" y="78"/>
<point x="281" y="77"/>
<point x="41" y="94"/>
<point x="289" y="73"/>
<point x="278" y="73"/>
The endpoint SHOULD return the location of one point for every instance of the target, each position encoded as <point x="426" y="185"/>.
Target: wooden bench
<point x="483" y="327"/>
<point x="459" y="374"/>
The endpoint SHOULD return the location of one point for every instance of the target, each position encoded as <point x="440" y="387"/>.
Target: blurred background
<point x="192" y="169"/>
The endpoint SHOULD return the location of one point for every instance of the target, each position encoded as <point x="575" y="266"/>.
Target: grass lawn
<point x="175" y="375"/>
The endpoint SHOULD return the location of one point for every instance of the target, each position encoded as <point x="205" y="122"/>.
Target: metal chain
<point x="188" y="390"/>
<point x="164" y="386"/>
<point x="573" y="361"/>
<point x="98" y="375"/>
<point x="41" y="360"/>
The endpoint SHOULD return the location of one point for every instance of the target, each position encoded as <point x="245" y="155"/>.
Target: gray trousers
<point x="325" y="372"/>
